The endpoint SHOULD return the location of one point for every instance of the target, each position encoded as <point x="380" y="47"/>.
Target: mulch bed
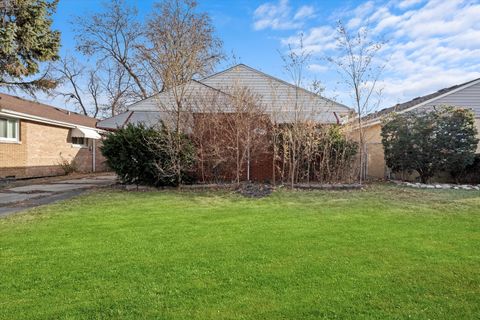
<point x="255" y="190"/>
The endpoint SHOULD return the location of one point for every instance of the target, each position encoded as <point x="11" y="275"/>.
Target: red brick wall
<point x="216" y="133"/>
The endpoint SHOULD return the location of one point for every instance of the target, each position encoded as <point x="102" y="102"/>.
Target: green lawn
<point x="383" y="253"/>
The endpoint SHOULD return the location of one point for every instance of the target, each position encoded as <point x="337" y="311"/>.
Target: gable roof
<point x="278" y="96"/>
<point x="232" y="69"/>
<point x="40" y="110"/>
<point x="149" y="111"/>
<point x="117" y="121"/>
<point x="193" y="87"/>
<point x="419" y="101"/>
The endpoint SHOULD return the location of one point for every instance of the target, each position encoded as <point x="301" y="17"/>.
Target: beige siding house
<point x="465" y="95"/>
<point x="36" y="138"/>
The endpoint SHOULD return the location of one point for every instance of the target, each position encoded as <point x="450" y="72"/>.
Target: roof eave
<point x="377" y="120"/>
<point x="19" y="115"/>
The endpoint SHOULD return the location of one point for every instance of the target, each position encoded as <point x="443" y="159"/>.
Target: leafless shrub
<point x="231" y="133"/>
<point x="68" y="166"/>
<point x="358" y="64"/>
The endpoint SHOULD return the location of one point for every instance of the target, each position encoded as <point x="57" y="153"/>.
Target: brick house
<point x="36" y="138"/>
<point x="282" y="103"/>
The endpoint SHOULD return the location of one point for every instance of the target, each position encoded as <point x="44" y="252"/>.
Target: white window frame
<point x="80" y="145"/>
<point x="17" y="131"/>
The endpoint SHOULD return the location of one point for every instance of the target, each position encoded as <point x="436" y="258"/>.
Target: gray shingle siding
<point x="276" y="95"/>
<point x="468" y="97"/>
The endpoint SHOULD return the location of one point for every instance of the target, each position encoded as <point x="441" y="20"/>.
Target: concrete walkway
<point x="20" y="198"/>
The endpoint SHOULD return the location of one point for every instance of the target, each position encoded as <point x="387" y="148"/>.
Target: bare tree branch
<point x="358" y="64"/>
<point x="114" y="35"/>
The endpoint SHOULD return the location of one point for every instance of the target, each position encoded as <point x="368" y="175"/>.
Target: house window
<point x="79" y="141"/>
<point x="8" y="130"/>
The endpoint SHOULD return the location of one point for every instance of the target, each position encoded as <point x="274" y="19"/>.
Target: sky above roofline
<point x="432" y="44"/>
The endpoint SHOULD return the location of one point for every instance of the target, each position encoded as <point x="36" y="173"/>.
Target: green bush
<point x="429" y="142"/>
<point x="151" y="156"/>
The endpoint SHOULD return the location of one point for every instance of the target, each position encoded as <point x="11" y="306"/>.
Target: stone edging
<point x="445" y="186"/>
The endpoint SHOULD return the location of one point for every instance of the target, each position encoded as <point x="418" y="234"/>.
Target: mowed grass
<point x="381" y="253"/>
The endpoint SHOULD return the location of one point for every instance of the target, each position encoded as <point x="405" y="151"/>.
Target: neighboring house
<point x="35" y="139"/>
<point x="280" y="100"/>
<point x="465" y="95"/>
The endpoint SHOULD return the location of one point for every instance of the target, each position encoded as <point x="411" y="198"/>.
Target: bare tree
<point x="231" y="133"/>
<point x="358" y="64"/>
<point x="181" y="42"/>
<point x="295" y="62"/>
<point x="246" y="130"/>
<point x="307" y="144"/>
<point x="117" y="86"/>
<point x="114" y="35"/>
<point x="79" y="85"/>
<point x="181" y="46"/>
<point x="94" y="89"/>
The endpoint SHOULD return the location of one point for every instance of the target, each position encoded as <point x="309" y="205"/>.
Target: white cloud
<point x="398" y="90"/>
<point x="318" y="68"/>
<point x="408" y="3"/>
<point x="304" y="12"/>
<point x="431" y="44"/>
<point x="360" y="14"/>
<point x="317" y="40"/>
<point x="280" y="16"/>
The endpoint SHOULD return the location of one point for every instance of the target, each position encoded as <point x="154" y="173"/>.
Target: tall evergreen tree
<point x="27" y="40"/>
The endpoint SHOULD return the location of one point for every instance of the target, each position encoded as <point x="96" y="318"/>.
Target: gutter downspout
<point x="93" y="156"/>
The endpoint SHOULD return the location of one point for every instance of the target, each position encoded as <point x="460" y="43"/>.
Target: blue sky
<point x="432" y="43"/>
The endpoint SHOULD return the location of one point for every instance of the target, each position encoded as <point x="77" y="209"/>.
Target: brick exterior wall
<point x="376" y="167"/>
<point x="40" y="151"/>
